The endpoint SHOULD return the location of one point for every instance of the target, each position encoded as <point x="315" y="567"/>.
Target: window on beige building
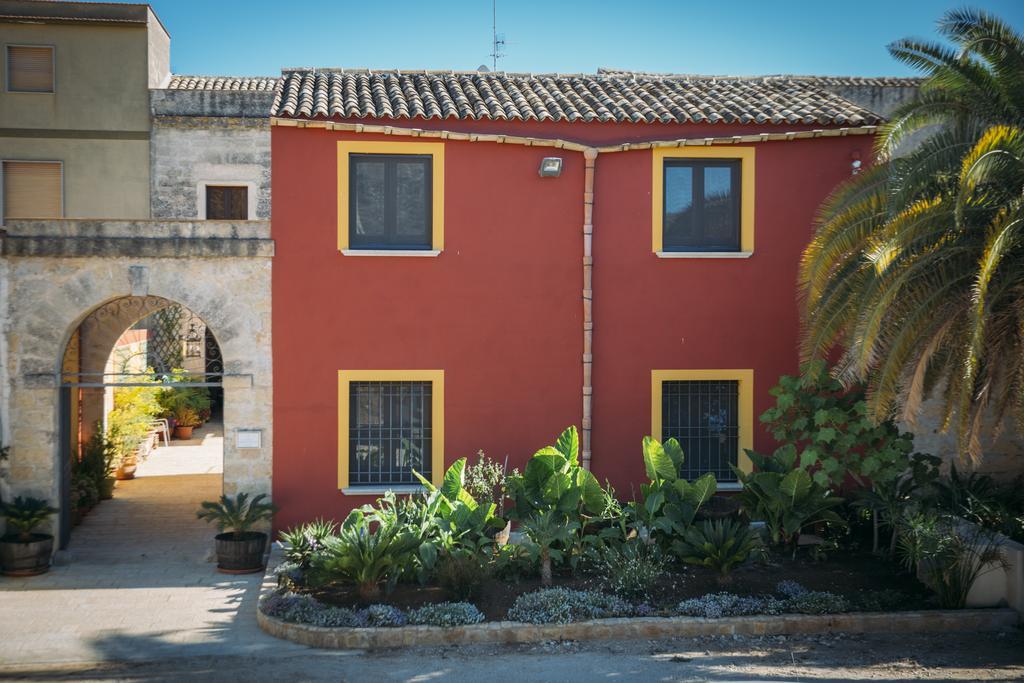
<point x="227" y="202"/>
<point x="33" y="189"/>
<point x="29" y="68"/>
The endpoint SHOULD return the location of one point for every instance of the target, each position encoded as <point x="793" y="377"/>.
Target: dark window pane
<point x="702" y="206"/>
<point x="227" y="203"/>
<point x="704" y="417"/>
<point x="679" y="218"/>
<point x="411" y="206"/>
<point x="720" y="215"/>
<point x="389" y="432"/>
<point x="368" y="206"/>
<point x="391" y="201"/>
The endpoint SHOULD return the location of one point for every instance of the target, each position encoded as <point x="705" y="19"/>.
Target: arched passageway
<point x="141" y="395"/>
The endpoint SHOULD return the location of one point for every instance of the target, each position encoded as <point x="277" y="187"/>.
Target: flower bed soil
<point x="847" y="574"/>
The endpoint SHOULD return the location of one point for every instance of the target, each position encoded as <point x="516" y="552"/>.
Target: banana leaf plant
<point x="450" y="518"/>
<point x="553" y="480"/>
<point x="670" y="502"/>
<point x="785" y="498"/>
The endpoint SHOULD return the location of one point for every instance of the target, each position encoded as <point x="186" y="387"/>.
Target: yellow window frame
<point x="746" y="403"/>
<point x="435" y="377"/>
<point x="434" y="149"/>
<point x="745" y="155"/>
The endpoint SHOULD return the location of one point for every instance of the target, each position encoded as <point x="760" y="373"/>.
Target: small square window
<point x="390" y="201"/>
<point x="389" y="432"/>
<point x="29" y="68"/>
<point x="227" y="203"/>
<point x="33" y="189"/>
<point x="704" y="417"/>
<point x="701" y="205"/>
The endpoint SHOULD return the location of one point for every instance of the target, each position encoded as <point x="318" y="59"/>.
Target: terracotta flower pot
<point x="26" y="558"/>
<point x="183" y="432"/>
<point x="241" y="553"/>
<point x="126" y="470"/>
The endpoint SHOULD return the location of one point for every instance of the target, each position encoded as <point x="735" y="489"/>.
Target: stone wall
<point x="52" y="289"/>
<point x="208" y="137"/>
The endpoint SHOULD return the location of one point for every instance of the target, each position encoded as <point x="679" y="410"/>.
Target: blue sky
<point x="740" y="37"/>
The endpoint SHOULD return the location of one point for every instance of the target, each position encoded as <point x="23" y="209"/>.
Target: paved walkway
<point x="139" y="583"/>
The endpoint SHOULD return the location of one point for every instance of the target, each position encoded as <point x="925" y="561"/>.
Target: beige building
<point x="74" y="107"/>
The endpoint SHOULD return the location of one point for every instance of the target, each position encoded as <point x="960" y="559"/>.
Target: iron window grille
<point x="701" y="205"/>
<point x="703" y="416"/>
<point x="390" y="201"/>
<point x="390" y="426"/>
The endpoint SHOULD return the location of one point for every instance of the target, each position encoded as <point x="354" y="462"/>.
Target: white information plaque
<point x="249" y="438"/>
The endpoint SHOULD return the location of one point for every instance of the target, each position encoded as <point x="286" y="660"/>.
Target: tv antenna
<point x="497" y="39"/>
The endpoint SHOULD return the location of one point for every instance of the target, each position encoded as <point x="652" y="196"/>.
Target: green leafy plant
<point x="303" y="542"/>
<point x="462" y="573"/>
<point x="549" y="532"/>
<point x="24" y="515"/>
<point x="831" y="431"/>
<point x="186" y="417"/>
<point x="720" y="545"/>
<point x="787" y="500"/>
<point x="237" y="515"/>
<point x="948" y="553"/>
<point x="364" y="556"/>
<point x="670" y="502"/>
<point x="554" y="481"/>
<point x="887" y="499"/>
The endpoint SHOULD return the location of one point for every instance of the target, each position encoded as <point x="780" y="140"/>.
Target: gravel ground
<point x="877" y="657"/>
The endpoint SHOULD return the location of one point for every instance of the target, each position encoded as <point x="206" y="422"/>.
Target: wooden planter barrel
<point x="241" y="553"/>
<point x="26" y="558"/>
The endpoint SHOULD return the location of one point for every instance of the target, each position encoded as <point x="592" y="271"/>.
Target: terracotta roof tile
<point x="234" y="83"/>
<point x="605" y="96"/>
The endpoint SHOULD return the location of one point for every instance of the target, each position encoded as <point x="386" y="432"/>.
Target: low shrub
<point x="885" y="600"/>
<point x="385" y="615"/>
<point x="789" y="588"/>
<point x="631" y="569"/>
<point x="446" y="614"/>
<point x="717" y="605"/>
<point x="562" y="606"/>
<point x="305" y="609"/>
<point x="299" y="608"/>
<point x="817" y="602"/>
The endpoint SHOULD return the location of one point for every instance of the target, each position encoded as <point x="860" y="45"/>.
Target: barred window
<point x="703" y="416"/>
<point x="389" y="432"/>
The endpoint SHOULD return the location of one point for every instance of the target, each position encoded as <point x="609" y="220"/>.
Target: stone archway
<point x="58" y="273"/>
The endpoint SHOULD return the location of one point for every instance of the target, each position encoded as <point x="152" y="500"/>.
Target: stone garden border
<point x="641" y="628"/>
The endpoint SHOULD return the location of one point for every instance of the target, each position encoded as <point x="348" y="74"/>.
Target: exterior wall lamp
<point x="193" y="342"/>
<point x="550" y="167"/>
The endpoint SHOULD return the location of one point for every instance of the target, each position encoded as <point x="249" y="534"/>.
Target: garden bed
<point x="855" y="576"/>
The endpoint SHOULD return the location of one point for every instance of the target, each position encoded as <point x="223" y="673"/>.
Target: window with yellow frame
<point x="702" y="202"/>
<point x="390" y="198"/>
<point x="711" y="414"/>
<point x="390" y="425"/>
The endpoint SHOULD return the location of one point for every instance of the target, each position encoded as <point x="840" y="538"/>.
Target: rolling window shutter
<point x="32" y="189"/>
<point x="29" y="69"/>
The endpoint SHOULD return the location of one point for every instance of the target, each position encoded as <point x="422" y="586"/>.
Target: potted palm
<point x="22" y="551"/>
<point x="186" y="419"/>
<point x="239" y="549"/>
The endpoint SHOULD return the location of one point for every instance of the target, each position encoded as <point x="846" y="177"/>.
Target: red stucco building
<point x="439" y="288"/>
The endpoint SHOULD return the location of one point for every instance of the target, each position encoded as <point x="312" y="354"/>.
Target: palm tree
<point x="916" y="269"/>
